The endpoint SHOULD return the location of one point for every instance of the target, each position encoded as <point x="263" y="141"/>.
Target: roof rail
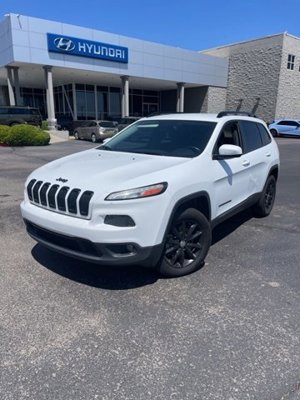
<point x="225" y="113"/>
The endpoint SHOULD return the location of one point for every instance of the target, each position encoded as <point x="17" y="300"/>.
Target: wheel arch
<point x="199" y="201"/>
<point x="274" y="171"/>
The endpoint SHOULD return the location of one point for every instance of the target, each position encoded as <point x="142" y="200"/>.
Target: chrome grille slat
<point x="62" y="199"/>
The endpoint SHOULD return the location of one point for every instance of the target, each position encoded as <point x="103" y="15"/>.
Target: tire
<point x="274" y="133"/>
<point x="93" y="138"/>
<point x="187" y="243"/>
<point x="265" y="204"/>
<point x="76" y="136"/>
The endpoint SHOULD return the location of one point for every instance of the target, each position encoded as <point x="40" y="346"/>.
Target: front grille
<point x="61" y="199"/>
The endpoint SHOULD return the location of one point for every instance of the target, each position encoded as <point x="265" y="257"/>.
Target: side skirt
<point x="237" y="209"/>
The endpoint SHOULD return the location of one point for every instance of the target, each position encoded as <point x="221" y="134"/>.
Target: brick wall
<point x="253" y="79"/>
<point x="288" y="103"/>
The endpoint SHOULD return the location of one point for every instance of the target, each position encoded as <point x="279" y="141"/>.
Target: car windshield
<point x="173" y="138"/>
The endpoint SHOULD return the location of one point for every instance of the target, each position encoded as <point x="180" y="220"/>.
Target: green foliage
<point x="44" y="126"/>
<point x="24" y="135"/>
<point x="4" y="131"/>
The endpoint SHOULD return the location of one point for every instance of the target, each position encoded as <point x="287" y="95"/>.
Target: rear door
<point x="257" y="151"/>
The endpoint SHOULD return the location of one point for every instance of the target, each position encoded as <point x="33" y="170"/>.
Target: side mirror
<point x="229" y="151"/>
<point x="106" y="140"/>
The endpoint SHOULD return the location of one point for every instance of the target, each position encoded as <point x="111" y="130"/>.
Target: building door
<point x="149" y="108"/>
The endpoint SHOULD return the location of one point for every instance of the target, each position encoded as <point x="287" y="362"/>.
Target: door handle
<point x="268" y="154"/>
<point x="246" y="163"/>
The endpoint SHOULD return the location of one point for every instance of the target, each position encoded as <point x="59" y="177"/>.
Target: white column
<point x="17" y="86"/>
<point x="96" y="101"/>
<point x="125" y="96"/>
<point x="50" y="98"/>
<point x="74" y="102"/>
<point x="12" y="100"/>
<point x="180" y="97"/>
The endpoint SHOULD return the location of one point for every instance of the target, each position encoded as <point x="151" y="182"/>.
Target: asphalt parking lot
<point x="231" y="331"/>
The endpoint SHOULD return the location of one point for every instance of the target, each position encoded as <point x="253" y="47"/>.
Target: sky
<point x="189" y="24"/>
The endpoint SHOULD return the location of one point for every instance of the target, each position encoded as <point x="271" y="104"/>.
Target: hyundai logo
<point x="64" y="44"/>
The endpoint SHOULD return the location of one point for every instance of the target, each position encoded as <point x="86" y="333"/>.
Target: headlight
<point x="137" y="193"/>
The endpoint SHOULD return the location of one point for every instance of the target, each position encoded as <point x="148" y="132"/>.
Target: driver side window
<point x="229" y="135"/>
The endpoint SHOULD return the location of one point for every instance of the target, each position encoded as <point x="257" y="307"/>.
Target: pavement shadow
<point x="230" y="225"/>
<point x="119" y="277"/>
<point x="113" y="278"/>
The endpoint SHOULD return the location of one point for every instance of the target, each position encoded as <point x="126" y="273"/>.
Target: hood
<point x="103" y="171"/>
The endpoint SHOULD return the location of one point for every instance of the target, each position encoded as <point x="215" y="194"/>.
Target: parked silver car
<point x="95" y="130"/>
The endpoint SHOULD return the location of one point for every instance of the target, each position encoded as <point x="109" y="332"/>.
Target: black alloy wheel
<point x="187" y="243"/>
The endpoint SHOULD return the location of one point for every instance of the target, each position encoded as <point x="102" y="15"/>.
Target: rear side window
<point x="250" y="135"/>
<point x="3" y="110"/>
<point x="265" y="137"/>
<point x="288" y="123"/>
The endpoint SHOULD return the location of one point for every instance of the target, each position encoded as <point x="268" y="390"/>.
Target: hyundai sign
<point x="86" y="48"/>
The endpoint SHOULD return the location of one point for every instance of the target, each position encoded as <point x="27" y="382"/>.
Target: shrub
<point x="26" y="135"/>
<point x="44" y="125"/>
<point x="4" y="132"/>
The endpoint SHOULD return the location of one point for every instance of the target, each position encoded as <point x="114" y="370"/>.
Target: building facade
<point x="81" y="73"/>
<point x="263" y="76"/>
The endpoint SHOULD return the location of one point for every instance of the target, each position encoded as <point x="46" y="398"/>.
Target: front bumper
<point x="100" y="253"/>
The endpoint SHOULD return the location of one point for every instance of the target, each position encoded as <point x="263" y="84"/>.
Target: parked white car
<point x="152" y="194"/>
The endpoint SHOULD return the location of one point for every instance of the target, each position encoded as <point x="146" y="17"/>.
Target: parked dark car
<point x="126" y="121"/>
<point x="14" y="115"/>
<point x="122" y="122"/>
<point x="65" y="123"/>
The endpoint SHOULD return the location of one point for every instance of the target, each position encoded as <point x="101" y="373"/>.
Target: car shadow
<point x="104" y="277"/>
<point x="230" y="225"/>
<point x="119" y="277"/>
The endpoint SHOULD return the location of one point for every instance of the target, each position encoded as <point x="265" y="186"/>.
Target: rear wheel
<point x="265" y="204"/>
<point x="187" y="243"/>
<point x="274" y="132"/>
<point x="93" y="138"/>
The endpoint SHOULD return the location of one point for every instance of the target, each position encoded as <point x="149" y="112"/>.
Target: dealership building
<point x="83" y="73"/>
<point x="263" y="76"/>
<point x="74" y="72"/>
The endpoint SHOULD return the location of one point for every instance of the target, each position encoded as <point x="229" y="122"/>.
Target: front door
<point x="231" y="184"/>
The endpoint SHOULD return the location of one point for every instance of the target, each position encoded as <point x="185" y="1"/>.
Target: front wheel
<point x="76" y="136"/>
<point x="93" y="138"/>
<point x="187" y="243"/>
<point x="265" y="204"/>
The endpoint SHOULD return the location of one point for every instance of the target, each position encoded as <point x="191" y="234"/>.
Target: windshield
<point x="174" y="138"/>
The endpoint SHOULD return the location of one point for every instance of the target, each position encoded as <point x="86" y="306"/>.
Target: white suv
<point x="152" y="194"/>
